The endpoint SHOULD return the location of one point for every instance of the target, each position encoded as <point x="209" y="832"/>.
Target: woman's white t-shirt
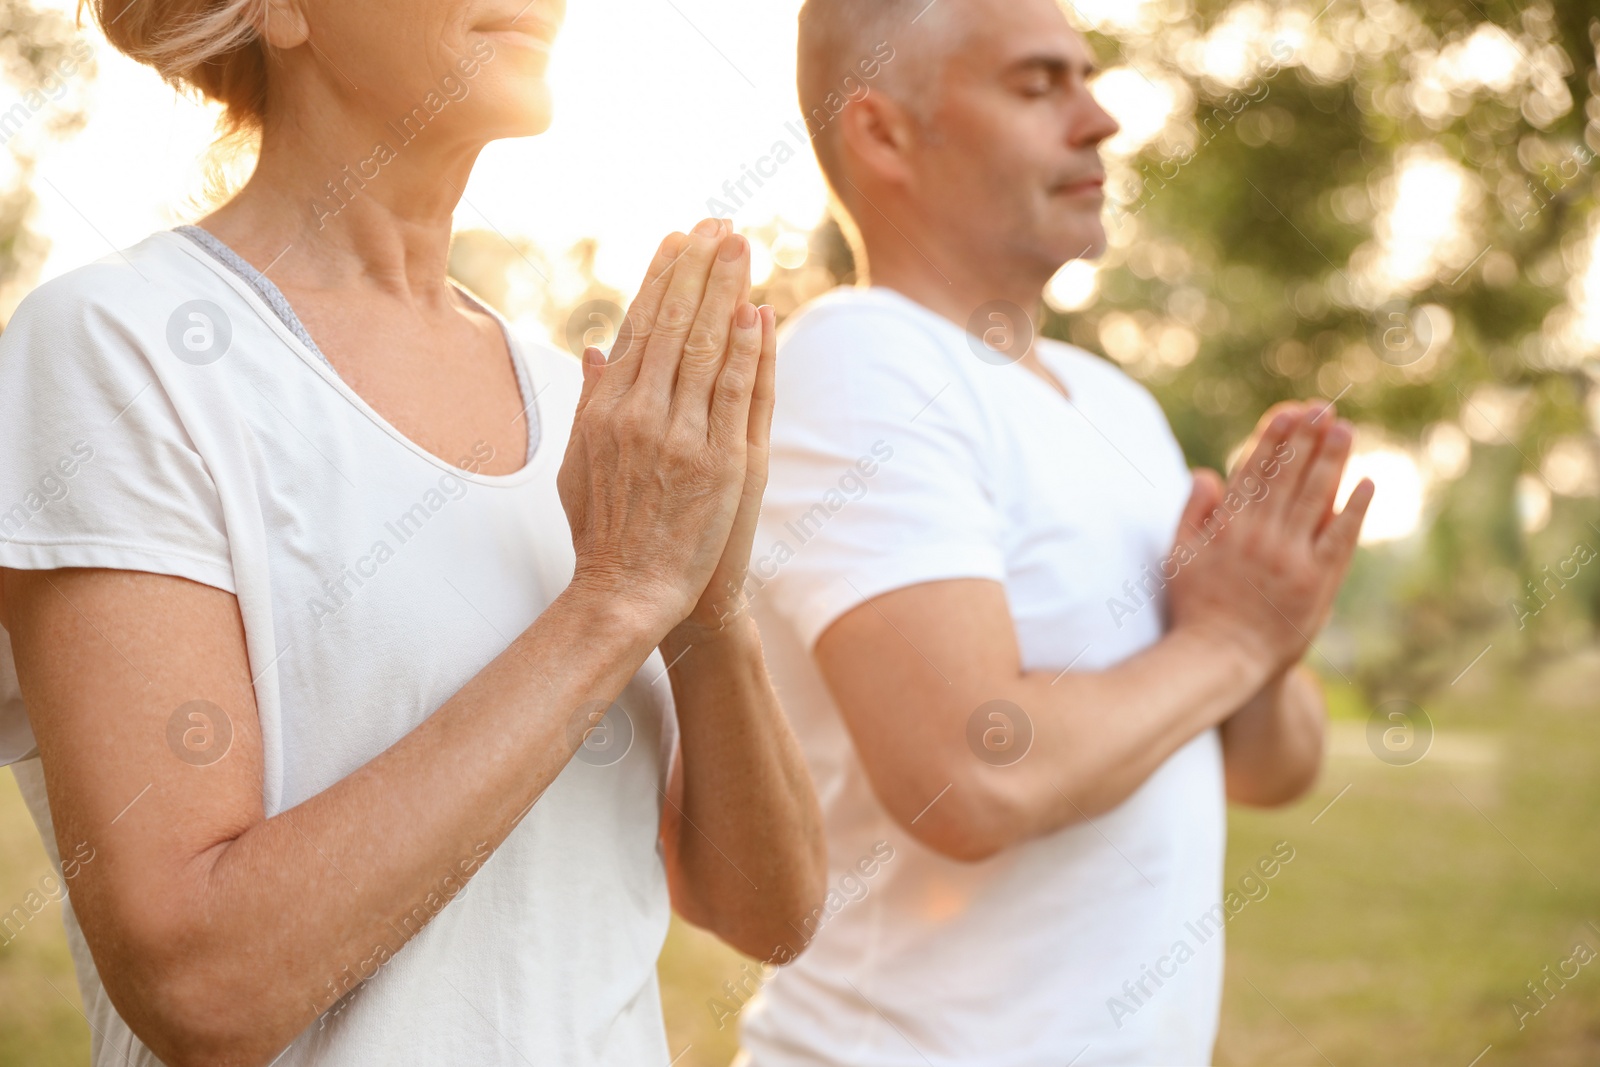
<point x="901" y="455"/>
<point x="157" y="415"/>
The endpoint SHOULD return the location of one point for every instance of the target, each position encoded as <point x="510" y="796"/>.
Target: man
<point x="1024" y="685"/>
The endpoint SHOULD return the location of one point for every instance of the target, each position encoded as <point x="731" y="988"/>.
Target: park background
<point x="1390" y="202"/>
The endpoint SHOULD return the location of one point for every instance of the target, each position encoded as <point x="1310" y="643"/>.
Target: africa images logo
<point x="199" y="333"/>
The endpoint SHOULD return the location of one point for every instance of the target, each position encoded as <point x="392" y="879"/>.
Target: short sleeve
<point x="878" y="473"/>
<point x="96" y="469"/>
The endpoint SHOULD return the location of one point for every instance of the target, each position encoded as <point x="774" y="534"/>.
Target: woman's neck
<point x="326" y="214"/>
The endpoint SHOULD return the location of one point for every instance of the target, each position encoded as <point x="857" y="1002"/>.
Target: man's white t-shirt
<point x="900" y="457"/>
<point x="157" y="415"/>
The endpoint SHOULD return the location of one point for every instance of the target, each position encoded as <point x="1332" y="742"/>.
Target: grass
<point x="40" y="1021"/>
<point x="1416" y="907"/>
<point x="1422" y="901"/>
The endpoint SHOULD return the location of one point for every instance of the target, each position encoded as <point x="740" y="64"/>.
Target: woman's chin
<point x="527" y="113"/>
<point x="532" y="124"/>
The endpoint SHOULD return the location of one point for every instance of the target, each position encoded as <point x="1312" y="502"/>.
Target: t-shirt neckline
<point x="1045" y="347"/>
<point x="319" y="365"/>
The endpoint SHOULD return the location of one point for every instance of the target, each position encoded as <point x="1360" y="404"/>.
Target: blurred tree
<point x="43" y="61"/>
<point x="1389" y="203"/>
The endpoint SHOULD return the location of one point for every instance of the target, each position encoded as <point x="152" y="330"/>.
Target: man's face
<point x="1011" y="160"/>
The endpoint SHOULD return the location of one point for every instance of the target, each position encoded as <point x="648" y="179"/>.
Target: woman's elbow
<point x="773" y="926"/>
<point x="191" y="1005"/>
<point x="180" y="1021"/>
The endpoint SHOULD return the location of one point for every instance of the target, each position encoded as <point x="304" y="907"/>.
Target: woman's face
<point x="473" y="70"/>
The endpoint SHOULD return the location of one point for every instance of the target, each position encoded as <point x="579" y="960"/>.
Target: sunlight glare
<point x="761" y="261"/>
<point x="1571" y="467"/>
<point x="1110" y="16"/>
<point x="1396" y="510"/>
<point x="1074" y="286"/>
<point x="1533" y="503"/>
<point x="1141" y="107"/>
<point x="1448" y="451"/>
<point x="1422" y="230"/>
<point x="1585" y="333"/>
<point x="1489" y="59"/>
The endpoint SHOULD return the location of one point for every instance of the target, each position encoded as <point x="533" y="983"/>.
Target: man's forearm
<point x="1098" y="736"/>
<point x="1272" y="747"/>
<point x="750" y="857"/>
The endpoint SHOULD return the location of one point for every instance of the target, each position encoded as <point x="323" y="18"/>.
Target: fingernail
<point x="746" y="318"/>
<point x="732" y="248"/>
<point x="1282" y="421"/>
<point x="673" y="244"/>
<point x="709" y="227"/>
<point x="769" y="314"/>
<point x="1340" y="434"/>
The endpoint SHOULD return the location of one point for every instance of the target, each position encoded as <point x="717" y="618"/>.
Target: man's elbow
<point x="1277" y="790"/>
<point x="963" y="847"/>
<point x="971" y="821"/>
<point x="998" y="813"/>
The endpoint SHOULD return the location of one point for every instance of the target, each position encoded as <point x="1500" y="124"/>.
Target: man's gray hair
<point x="842" y="55"/>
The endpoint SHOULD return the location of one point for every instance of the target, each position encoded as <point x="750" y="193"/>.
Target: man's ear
<point x="878" y="136"/>
<point x="282" y="24"/>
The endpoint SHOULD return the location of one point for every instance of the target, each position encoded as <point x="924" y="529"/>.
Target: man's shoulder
<point x="864" y="320"/>
<point x="1111" y="379"/>
<point x="867" y="343"/>
<point x="862" y="356"/>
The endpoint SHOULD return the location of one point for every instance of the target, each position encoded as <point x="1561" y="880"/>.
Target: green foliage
<point x="35" y="44"/>
<point x="1255" y="225"/>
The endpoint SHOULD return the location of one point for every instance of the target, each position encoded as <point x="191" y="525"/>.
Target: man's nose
<point x="1091" y="124"/>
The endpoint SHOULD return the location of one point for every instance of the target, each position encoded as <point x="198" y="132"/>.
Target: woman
<point x="312" y="616"/>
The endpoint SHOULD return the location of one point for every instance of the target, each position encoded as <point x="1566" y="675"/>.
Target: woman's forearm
<point x="749" y="861"/>
<point x="369" y="861"/>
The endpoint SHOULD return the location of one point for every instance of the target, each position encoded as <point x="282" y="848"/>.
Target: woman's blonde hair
<point x="212" y="46"/>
